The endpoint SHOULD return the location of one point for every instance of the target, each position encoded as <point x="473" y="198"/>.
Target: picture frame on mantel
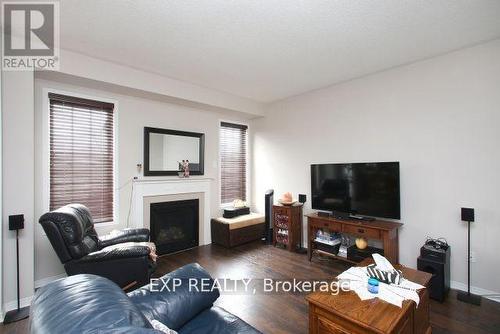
<point x="165" y="149"/>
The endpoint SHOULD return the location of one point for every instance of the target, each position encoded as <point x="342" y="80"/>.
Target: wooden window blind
<point x="233" y="151"/>
<point x="81" y="154"/>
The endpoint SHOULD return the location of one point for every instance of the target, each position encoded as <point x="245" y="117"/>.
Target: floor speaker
<point x="440" y="282"/>
<point x="269" y="200"/>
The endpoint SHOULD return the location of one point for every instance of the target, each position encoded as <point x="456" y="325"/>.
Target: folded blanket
<point x="152" y="250"/>
<point x="152" y="247"/>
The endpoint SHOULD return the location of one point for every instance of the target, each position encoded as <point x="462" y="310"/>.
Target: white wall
<point x="133" y="114"/>
<point x="18" y="182"/>
<point x="440" y="118"/>
<point x="181" y="92"/>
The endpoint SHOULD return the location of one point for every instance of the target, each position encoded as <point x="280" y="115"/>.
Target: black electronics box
<point x="358" y="255"/>
<point x="235" y="212"/>
<point x="431" y="252"/>
<point x="327" y="248"/>
<point x="435" y="259"/>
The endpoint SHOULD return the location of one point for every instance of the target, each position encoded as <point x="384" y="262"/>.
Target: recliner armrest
<point x="175" y="307"/>
<point x="120" y="251"/>
<point x="126" y="235"/>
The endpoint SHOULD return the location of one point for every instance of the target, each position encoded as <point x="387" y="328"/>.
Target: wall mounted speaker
<point x="16" y="222"/>
<point x="302" y="198"/>
<point x="467" y="214"/>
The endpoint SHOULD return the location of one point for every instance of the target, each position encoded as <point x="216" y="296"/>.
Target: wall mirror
<point x="164" y="149"/>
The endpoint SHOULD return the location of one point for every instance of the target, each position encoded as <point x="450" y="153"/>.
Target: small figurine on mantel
<point x="184" y="168"/>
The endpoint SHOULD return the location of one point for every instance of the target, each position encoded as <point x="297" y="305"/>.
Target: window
<point x="233" y="151"/>
<point x="81" y="154"/>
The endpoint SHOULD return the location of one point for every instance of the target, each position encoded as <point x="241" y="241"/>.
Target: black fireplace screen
<point x="174" y="225"/>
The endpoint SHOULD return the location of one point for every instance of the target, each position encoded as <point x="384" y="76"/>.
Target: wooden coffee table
<point x="345" y="313"/>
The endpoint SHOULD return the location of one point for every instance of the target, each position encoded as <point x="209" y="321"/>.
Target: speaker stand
<point x="468" y="297"/>
<point x="16" y="315"/>
<point x="301" y="250"/>
<point x="268" y="239"/>
<point x="20" y="313"/>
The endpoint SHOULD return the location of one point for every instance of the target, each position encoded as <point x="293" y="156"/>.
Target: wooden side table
<point x="346" y="313"/>
<point x="287" y="226"/>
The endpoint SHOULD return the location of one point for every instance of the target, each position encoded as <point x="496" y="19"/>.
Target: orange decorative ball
<point x="287" y="197"/>
<point x="361" y="243"/>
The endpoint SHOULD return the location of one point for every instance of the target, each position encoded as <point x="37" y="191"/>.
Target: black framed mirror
<point x="164" y="149"/>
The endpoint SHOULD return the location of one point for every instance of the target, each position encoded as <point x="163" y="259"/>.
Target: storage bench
<point x="230" y="232"/>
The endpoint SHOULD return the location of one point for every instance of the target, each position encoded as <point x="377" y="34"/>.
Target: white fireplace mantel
<point x="145" y="188"/>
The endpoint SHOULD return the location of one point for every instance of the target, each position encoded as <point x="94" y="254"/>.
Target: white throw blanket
<point x="356" y="279"/>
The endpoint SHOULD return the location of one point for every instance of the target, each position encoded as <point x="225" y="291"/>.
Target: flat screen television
<point x="368" y="189"/>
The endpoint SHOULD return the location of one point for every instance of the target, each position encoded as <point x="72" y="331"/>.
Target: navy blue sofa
<point x="92" y="304"/>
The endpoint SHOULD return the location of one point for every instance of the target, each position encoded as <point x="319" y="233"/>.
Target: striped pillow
<point x="389" y="277"/>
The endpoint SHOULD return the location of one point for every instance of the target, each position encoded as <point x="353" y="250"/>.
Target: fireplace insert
<point x="174" y="225"/>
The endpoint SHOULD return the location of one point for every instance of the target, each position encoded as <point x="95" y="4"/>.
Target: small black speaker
<point x="302" y="198"/>
<point x="16" y="222"/>
<point x="467" y="214"/>
<point x="440" y="282"/>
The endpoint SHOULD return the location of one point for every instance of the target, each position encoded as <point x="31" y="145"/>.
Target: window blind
<point x="81" y="154"/>
<point x="233" y="151"/>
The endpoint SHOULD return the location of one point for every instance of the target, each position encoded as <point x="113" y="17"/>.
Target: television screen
<point x="370" y="189"/>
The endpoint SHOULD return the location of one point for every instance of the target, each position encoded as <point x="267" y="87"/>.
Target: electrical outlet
<point x="473" y="256"/>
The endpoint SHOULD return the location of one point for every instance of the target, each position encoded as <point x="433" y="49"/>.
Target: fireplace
<point x="174" y="225"/>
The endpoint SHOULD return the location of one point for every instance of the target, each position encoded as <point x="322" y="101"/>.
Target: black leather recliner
<point x="71" y="232"/>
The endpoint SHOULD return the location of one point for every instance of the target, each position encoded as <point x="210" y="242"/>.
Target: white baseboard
<point x="44" y="281"/>
<point x="492" y="295"/>
<point x="12" y="305"/>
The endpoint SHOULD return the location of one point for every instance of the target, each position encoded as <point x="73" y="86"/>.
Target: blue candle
<point x="373" y="285"/>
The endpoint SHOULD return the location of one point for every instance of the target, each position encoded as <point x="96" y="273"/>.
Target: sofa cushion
<point x="83" y="303"/>
<point x="176" y="307"/>
<point x="122" y="330"/>
<point x="243" y="221"/>
<point x="217" y="320"/>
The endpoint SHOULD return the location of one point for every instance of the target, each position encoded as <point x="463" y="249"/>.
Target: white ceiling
<point x="267" y="50"/>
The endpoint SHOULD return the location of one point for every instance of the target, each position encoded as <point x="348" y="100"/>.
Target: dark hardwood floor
<point x="287" y="312"/>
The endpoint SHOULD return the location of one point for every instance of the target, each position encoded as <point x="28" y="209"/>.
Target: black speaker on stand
<point x="467" y="297"/>
<point x="16" y="223"/>
<point x="269" y="200"/>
